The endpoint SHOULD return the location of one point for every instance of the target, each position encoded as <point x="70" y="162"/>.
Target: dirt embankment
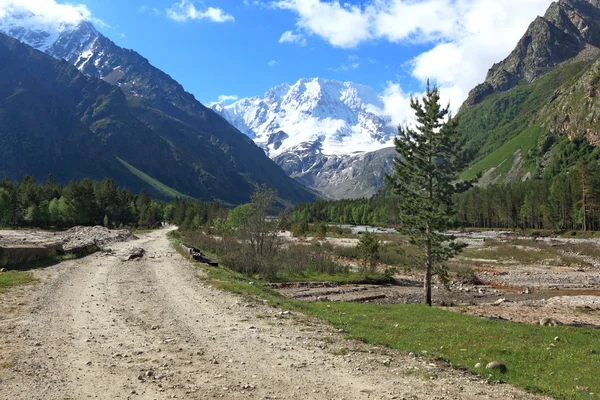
<point x="21" y="246"/>
<point x="100" y="327"/>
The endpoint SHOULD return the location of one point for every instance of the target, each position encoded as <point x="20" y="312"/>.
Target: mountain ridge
<point x="532" y="128"/>
<point x="575" y="24"/>
<point x="322" y="132"/>
<point x="212" y="158"/>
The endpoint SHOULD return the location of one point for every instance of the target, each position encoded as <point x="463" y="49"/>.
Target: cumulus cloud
<point x="47" y="14"/>
<point x="490" y="32"/>
<point x="341" y="25"/>
<point x="467" y="36"/>
<point x="291" y="37"/>
<point x="396" y="104"/>
<point x="185" y="11"/>
<point x="272" y="63"/>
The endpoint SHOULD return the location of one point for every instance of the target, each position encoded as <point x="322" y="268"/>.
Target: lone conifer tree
<point x="426" y="171"/>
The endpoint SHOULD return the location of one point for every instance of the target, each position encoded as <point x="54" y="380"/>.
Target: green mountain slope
<point x="511" y="128"/>
<point x="523" y="128"/>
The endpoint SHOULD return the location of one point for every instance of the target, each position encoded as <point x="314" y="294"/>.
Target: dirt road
<point x="102" y="328"/>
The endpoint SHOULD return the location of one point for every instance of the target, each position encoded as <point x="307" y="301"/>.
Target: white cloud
<point x="291" y="37"/>
<point x="272" y="63"/>
<point x="185" y="11"/>
<point x="341" y="25"/>
<point x="468" y="36"/>
<point x="490" y="32"/>
<point x="149" y="10"/>
<point x="224" y="98"/>
<point x="47" y="13"/>
<point x="396" y="104"/>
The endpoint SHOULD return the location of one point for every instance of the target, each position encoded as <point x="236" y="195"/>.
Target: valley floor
<point x="100" y="327"/>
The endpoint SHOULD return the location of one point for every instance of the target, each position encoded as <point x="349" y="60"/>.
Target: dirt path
<point x="150" y="329"/>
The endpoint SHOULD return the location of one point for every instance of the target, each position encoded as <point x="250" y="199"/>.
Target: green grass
<point x="528" y="252"/>
<point x="15" y="278"/>
<point x="351" y="278"/>
<point x="503" y="158"/>
<point x="160" y="187"/>
<point x="535" y="361"/>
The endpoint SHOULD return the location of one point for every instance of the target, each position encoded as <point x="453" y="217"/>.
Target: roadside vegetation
<point x="562" y="362"/>
<point x="249" y="243"/>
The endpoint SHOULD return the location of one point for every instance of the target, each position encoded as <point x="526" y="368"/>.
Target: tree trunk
<point x="428" y="268"/>
<point x="583" y="199"/>
<point x="429" y="255"/>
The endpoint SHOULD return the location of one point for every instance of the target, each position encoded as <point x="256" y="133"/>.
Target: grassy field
<point x="562" y="362"/>
<point x="14" y="278"/>
<point x="566" y="368"/>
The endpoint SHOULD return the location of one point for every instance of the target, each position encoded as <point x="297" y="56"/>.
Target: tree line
<point x="377" y="211"/>
<point x="567" y="201"/>
<point x="86" y="202"/>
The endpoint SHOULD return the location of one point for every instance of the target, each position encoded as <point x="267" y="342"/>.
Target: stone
<point x="497" y="366"/>
<point x="478" y="365"/>
<point x="134" y="254"/>
<point x="548" y="321"/>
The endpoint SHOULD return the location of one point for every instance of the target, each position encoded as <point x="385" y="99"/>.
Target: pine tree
<point x="368" y="247"/>
<point x="427" y="166"/>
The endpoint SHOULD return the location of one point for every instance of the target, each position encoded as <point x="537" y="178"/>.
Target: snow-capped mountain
<point x="324" y="133"/>
<point x="79" y="43"/>
<point x="67" y="40"/>
<point x="157" y="127"/>
<point x="339" y="117"/>
<point x="321" y="127"/>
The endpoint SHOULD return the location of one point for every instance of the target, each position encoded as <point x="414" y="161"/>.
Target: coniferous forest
<point x="86" y="202"/>
<point x="567" y="201"/>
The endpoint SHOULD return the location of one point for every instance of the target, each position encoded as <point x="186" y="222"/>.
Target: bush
<point x="300" y="229"/>
<point x="240" y="257"/>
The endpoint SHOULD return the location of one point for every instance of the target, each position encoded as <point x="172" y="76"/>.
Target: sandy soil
<point x="99" y="327"/>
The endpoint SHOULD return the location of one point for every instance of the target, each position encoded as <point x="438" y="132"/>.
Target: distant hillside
<point x="54" y="119"/>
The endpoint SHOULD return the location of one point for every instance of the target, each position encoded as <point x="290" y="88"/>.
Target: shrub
<point x="300" y="229"/>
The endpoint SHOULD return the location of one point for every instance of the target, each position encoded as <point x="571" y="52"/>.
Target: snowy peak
<point x="343" y="117"/>
<point x="73" y="42"/>
<point x="42" y="32"/>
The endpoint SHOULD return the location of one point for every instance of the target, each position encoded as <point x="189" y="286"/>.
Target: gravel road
<point x="103" y="328"/>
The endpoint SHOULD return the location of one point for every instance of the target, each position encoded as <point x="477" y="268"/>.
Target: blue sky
<point x="241" y="48"/>
<point x="236" y="58"/>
